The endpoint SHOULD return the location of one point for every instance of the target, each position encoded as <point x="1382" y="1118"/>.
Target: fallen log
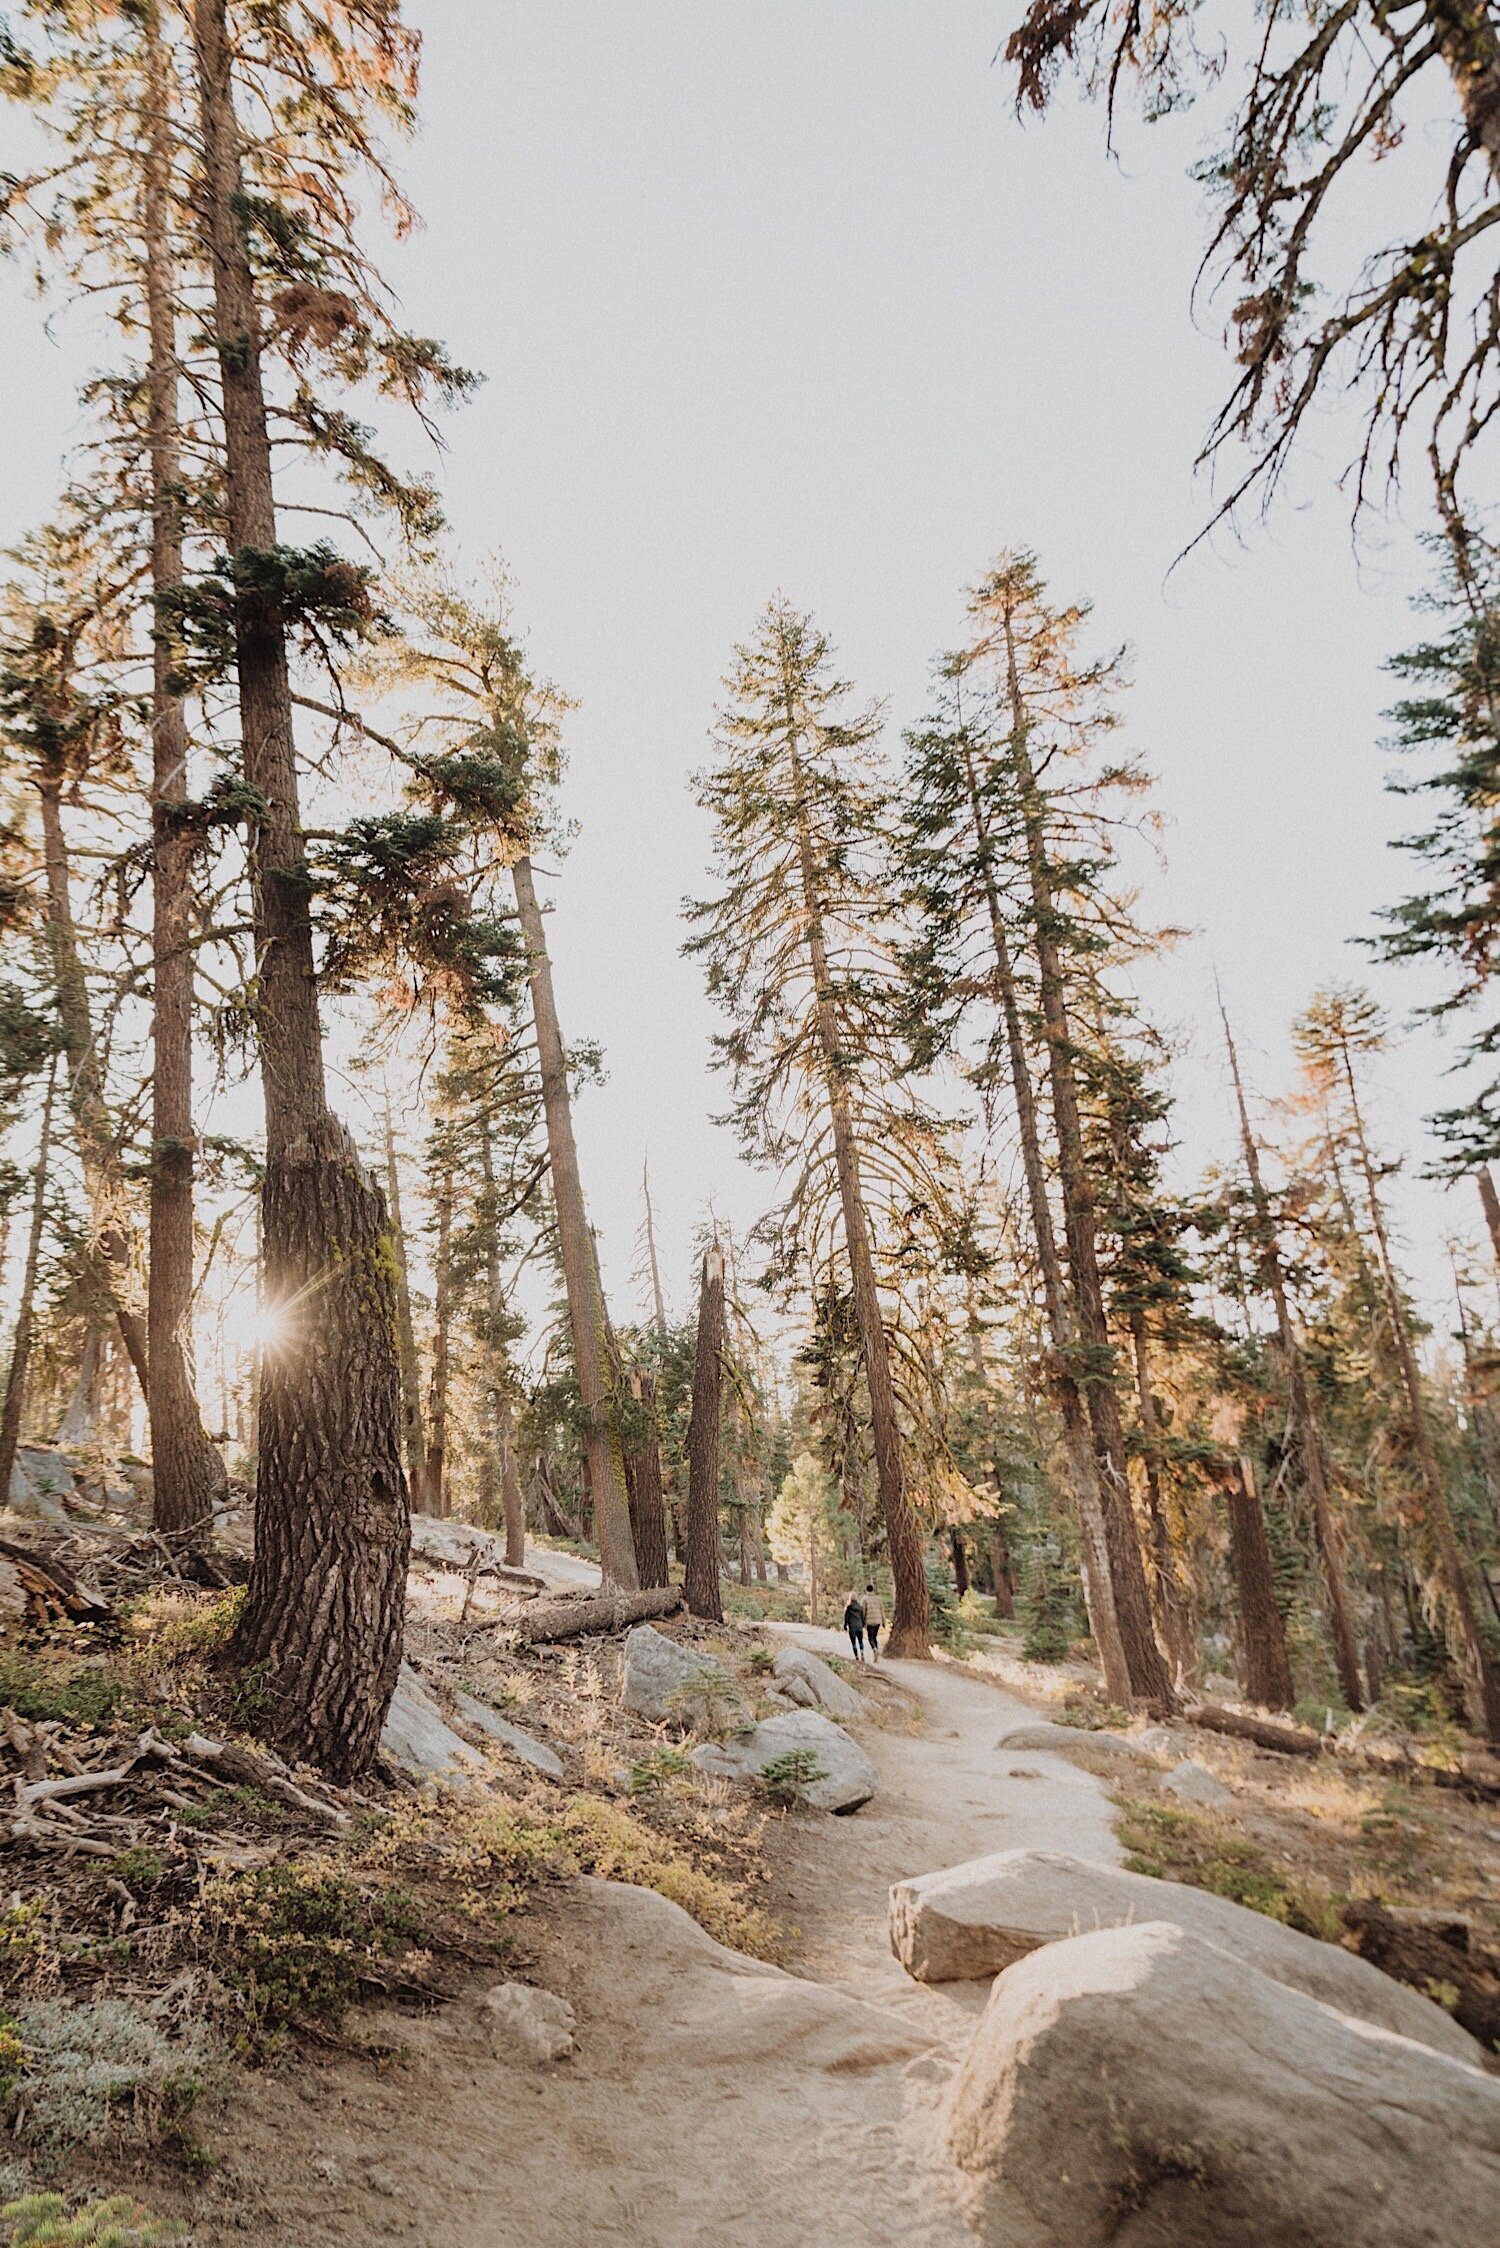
<point x="1285" y="1740"/>
<point x="53" y="1590"/>
<point x="572" y="1614"/>
<point x="1288" y="1740"/>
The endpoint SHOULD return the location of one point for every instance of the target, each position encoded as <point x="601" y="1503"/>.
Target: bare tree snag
<point x="606" y="1467"/>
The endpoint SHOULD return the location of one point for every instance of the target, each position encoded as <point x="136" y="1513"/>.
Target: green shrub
<point x="42" y="2221"/>
<point x="300" y="1941"/>
<point x="1049" y="1610"/>
<point x="91" y="2062"/>
<point x="84" y="1695"/>
<point x="786" y="1779"/>
<point x="656" y="1769"/>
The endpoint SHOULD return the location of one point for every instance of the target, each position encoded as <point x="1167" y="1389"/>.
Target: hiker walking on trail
<point x="854" y="1624"/>
<point x="874" y="1620"/>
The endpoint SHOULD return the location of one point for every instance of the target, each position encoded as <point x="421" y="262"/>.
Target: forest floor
<point x="702" y="2104"/>
<point x="713" y="2096"/>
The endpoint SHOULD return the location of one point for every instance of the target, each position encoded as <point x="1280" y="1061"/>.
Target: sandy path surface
<point x="947" y="1793"/>
<point x="711" y="2099"/>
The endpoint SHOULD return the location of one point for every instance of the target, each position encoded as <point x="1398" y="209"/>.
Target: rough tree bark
<point x="322" y="1622"/>
<point x="960" y="1560"/>
<point x="701" y="1569"/>
<point x="20" y="1349"/>
<point x="1268" y="1670"/>
<point x="648" y="1513"/>
<point x="187" y="1473"/>
<point x="1304" y="1421"/>
<point x="909" y="1633"/>
<point x="1174" y="1612"/>
<point x="1083" y="1467"/>
<point x="602" y="1449"/>
<point x="412" y="1430"/>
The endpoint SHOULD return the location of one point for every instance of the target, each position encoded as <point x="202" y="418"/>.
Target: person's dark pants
<point x="872" y="1633"/>
<point x="857" y="1642"/>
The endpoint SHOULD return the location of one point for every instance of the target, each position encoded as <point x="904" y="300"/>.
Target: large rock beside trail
<point x="484" y="1719"/>
<point x="975" y="1919"/>
<point x="847" y="1780"/>
<point x="418" y="1737"/>
<point x="1141" y="2087"/>
<point x="1070" y="1740"/>
<point x="800" y="1674"/>
<point x="665" y="1680"/>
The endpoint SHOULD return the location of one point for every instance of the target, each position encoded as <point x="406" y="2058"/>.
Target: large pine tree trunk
<point x="1268" y="1670"/>
<point x="1083" y="1468"/>
<point x="606" y="1464"/>
<point x="187" y="1473"/>
<point x="909" y="1633"/>
<point x="1148" y="1671"/>
<point x="20" y="1349"/>
<point x="1482" y="1674"/>
<point x="412" y="1430"/>
<point x="323" y="1614"/>
<point x="648" y="1513"/>
<point x="1304" y="1421"/>
<point x="701" y="1570"/>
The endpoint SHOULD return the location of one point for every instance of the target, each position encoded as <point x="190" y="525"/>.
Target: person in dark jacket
<point x="854" y="1624"/>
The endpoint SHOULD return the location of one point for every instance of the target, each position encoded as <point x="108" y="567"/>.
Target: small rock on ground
<point x="1195" y="1783"/>
<point x="529" y="2024"/>
<point x="809" y="1681"/>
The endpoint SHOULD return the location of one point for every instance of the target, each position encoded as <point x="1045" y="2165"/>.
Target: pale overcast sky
<point x="779" y="293"/>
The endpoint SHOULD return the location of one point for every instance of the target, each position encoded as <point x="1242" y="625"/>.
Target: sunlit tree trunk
<point x="909" y="1623"/>
<point x="322" y="1621"/>
<point x="606" y="1465"/>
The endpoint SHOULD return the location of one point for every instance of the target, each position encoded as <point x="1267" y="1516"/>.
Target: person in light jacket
<point x="874" y="1620"/>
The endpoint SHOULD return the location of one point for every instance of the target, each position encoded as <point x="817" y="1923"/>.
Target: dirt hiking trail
<point x="711" y="2098"/>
